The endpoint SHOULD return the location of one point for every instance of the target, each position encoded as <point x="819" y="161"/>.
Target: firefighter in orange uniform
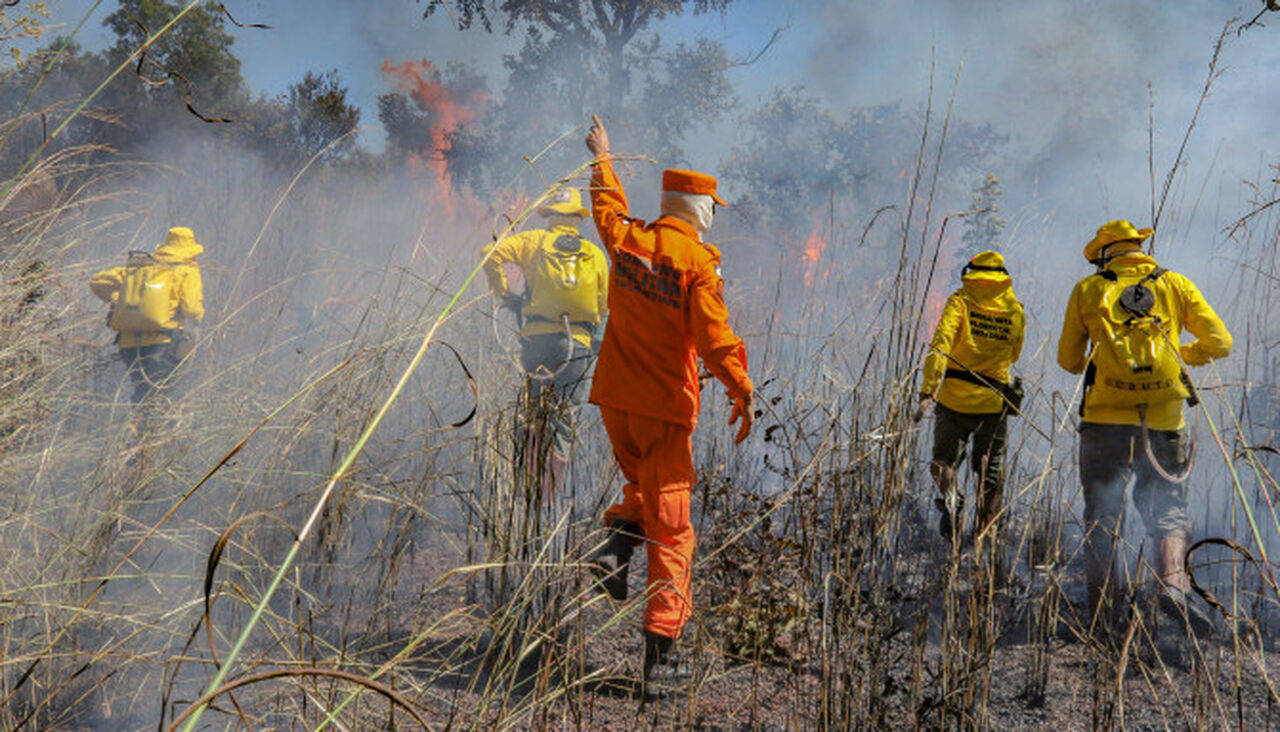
<point x="666" y="309"/>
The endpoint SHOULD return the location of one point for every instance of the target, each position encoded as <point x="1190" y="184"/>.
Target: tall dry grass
<point x="440" y="586"/>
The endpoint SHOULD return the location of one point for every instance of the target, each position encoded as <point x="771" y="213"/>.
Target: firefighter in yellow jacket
<point x="978" y="338"/>
<point x="566" y="281"/>
<point x="1132" y="312"/>
<point x="154" y="298"/>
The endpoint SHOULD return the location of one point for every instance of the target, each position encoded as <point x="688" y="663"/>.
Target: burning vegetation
<point x="347" y="511"/>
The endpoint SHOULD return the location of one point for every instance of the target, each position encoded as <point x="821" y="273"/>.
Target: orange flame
<point x="814" y="246"/>
<point x="421" y="79"/>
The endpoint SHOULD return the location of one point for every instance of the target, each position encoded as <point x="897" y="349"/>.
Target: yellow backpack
<point x="145" y="301"/>
<point x="565" y="281"/>
<point x="1136" y="362"/>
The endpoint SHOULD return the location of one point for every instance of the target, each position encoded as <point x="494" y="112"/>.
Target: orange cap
<point x="688" y="181"/>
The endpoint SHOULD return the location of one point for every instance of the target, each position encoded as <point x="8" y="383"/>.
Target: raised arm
<point x="608" y="200"/>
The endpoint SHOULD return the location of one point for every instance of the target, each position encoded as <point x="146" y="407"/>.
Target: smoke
<point x="353" y="264"/>
<point x="446" y="113"/>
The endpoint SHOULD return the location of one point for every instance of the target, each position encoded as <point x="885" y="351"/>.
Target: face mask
<point x="694" y="208"/>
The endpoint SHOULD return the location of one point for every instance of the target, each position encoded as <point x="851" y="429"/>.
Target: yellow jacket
<point x="981" y="330"/>
<point x="175" y="265"/>
<point x="1179" y="305"/>
<point x="558" y="282"/>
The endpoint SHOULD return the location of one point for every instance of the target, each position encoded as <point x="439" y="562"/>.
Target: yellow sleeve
<point x="1212" y="338"/>
<point x="107" y="283"/>
<point x="602" y="281"/>
<point x="944" y="336"/>
<point x="1073" y="344"/>
<point x="515" y="249"/>
<point x="191" y="297"/>
<point x="1020" y="332"/>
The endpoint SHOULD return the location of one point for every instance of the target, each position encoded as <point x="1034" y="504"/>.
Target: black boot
<point x="610" y="562"/>
<point x="663" y="671"/>
<point x="951" y="522"/>
<point x="1178" y="605"/>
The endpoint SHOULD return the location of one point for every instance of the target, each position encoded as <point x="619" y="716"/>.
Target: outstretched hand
<point x="597" y="138"/>
<point x="744" y="408"/>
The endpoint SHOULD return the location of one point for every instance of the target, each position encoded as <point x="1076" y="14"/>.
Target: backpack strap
<point x="1091" y="371"/>
<point x="1152" y="276"/>
<point x="1090" y="376"/>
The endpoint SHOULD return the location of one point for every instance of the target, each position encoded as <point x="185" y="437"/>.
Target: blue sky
<point x="1073" y="83"/>
<point x="355" y="36"/>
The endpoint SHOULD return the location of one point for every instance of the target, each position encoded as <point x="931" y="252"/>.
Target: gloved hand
<point x="744" y="408"/>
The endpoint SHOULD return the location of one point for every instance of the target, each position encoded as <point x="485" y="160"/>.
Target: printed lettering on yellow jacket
<point x="980" y="332"/>
<point x="1138" y="359"/>
<point x="564" y="275"/>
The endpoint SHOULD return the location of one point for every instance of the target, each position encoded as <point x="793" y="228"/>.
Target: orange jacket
<point x="666" y="308"/>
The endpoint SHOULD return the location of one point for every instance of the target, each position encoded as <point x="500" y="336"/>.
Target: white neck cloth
<point x="696" y="209"/>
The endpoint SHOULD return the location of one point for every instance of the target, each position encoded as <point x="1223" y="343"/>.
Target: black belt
<point x="1010" y="394"/>
<point x="584" y="324"/>
<point x="976" y="378"/>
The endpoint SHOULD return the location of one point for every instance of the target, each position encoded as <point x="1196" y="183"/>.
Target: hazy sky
<point x="1073" y="83"/>
<point x="1023" y="62"/>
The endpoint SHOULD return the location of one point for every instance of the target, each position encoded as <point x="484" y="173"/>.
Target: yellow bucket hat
<point x="986" y="265"/>
<point x="564" y="202"/>
<point x="1112" y="232"/>
<point x="179" y="244"/>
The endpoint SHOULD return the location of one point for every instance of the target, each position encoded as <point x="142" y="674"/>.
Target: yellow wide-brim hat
<point x="565" y="202"/>
<point x="1112" y="232"/>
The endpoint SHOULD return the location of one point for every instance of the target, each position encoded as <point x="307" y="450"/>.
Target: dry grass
<point x="439" y="584"/>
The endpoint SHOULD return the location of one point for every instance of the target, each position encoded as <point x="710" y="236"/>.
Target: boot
<point x="1175" y="592"/>
<point x="610" y="562"/>
<point x="1101" y="580"/>
<point x="951" y="520"/>
<point x="951" y="504"/>
<point x="664" y="672"/>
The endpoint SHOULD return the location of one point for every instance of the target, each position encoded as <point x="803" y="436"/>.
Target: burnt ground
<point x="1067" y="681"/>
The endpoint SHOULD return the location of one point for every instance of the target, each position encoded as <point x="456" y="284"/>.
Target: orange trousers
<point x="656" y="458"/>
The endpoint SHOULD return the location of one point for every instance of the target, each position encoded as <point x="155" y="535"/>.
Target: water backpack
<point x="1136" y="362"/>
<point x="144" y="303"/>
<point x="564" y="283"/>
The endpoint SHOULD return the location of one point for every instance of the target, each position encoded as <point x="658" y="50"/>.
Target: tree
<point x="983" y="228"/>
<point x="318" y="114"/>
<point x="802" y="162"/>
<point x="597" y="31"/>
<point x="191" y="63"/>
<point x="20" y="22"/>
<point x="585" y="56"/>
